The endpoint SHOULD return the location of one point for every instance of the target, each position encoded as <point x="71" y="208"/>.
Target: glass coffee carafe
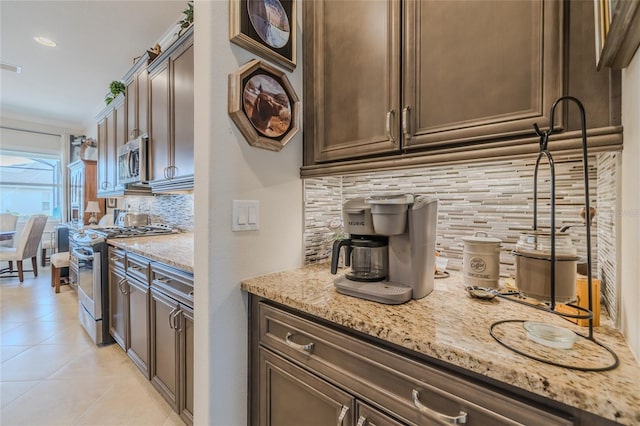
<point x="368" y="258"/>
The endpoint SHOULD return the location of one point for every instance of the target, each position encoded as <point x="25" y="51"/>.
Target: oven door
<point x="88" y="279"/>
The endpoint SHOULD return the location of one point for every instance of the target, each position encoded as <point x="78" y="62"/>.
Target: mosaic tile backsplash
<point x="494" y="197"/>
<point x="172" y="210"/>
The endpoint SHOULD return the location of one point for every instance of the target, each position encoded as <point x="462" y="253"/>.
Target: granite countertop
<point x="450" y="326"/>
<point x="172" y="249"/>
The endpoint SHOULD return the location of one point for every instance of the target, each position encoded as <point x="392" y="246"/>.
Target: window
<point x="30" y="184"/>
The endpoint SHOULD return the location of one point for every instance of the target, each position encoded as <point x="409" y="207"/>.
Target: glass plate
<point x="550" y="335"/>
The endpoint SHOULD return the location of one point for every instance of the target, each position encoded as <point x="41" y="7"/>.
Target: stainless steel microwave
<point x="133" y="161"/>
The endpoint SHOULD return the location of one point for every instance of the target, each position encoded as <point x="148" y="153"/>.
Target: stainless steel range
<point x="89" y="273"/>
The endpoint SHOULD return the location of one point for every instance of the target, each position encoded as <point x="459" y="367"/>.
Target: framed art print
<point x="263" y="105"/>
<point x="266" y="28"/>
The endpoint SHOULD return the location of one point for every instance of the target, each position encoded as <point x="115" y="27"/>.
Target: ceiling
<point x="96" y="43"/>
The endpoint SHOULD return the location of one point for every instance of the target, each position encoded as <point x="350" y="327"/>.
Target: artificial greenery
<point x="116" y="87"/>
<point x="188" y="18"/>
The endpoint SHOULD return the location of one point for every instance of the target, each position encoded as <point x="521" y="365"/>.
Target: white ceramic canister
<point x="481" y="260"/>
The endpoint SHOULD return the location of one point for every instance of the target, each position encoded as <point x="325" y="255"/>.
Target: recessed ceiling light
<point x="12" y="68"/>
<point x="45" y="41"/>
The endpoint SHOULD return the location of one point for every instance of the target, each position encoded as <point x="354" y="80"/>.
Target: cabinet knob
<point x="461" y="418"/>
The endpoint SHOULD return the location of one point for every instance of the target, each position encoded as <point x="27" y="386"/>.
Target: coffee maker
<point x="390" y="249"/>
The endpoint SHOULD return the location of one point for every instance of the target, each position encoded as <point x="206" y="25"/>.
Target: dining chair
<point x="26" y="247"/>
<point x="8" y="222"/>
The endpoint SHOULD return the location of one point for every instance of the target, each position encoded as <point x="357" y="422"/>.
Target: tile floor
<point x="53" y="374"/>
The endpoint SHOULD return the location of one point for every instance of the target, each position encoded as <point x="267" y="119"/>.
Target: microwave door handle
<point x="133" y="160"/>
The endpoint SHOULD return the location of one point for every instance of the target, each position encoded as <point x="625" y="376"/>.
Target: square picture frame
<point x="263" y="105"/>
<point x="112" y="203"/>
<point x="266" y="28"/>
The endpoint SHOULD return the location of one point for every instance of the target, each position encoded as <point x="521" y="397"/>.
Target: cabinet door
<point x="160" y="123"/>
<point x="104" y="145"/>
<point x="138" y="325"/>
<point x="164" y="346"/>
<point x="495" y="69"/>
<point x="291" y="396"/>
<point x="369" y="416"/>
<point x="117" y="306"/>
<point x="137" y="104"/>
<point x="186" y="364"/>
<point x="352" y="92"/>
<point x="182" y="89"/>
<point x="142" y="102"/>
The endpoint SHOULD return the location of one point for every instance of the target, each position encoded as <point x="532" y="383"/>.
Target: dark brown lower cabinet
<point x="291" y="396"/>
<point x="172" y="352"/>
<point x="306" y="371"/>
<point x="117" y="306"/>
<point x="138" y="324"/>
<point x="164" y="347"/>
<point x="151" y="318"/>
<point x="186" y="363"/>
<point x="129" y="312"/>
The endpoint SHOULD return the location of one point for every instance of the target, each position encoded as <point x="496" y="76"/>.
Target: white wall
<point x="629" y="237"/>
<point x="227" y="168"/>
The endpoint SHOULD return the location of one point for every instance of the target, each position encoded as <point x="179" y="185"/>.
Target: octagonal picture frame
<point x="263" y="105"/>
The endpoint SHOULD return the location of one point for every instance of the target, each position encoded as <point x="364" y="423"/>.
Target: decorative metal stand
<point x="588" y="313"/>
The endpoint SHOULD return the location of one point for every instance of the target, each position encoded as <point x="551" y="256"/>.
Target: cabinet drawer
<point x="173" y="282"/>
<point x="138" y="267"/>
<point x="292" y="396"/>
<point x="117" y="257"/>
<point x="413" y="391"/>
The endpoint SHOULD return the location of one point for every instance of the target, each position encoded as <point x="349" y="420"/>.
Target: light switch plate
<point x="246" y="215"/>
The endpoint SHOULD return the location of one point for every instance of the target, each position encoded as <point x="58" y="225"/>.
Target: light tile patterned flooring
<point x="53" y="374"/>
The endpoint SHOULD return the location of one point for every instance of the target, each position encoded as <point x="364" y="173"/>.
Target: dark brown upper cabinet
<point x="111" y="135"/>
<point x="417" y="82"/>
<point x="171" y="96"/>
<point x="352" y="78"/>
<point x="479" y="70"/>
<point x="137" y="96"/>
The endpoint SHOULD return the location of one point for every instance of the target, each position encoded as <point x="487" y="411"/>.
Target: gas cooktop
<point x="132" y="231"/>
<point x="97" y="235"/>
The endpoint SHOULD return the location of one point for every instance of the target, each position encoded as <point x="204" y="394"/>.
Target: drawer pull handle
<point x="307" y="348"/>
<point x="172" y="318"/>
<point x="343" y="414"/>
<point x="362" y="421"/>
<point x="121" y="286"/>
<point x="452" y="420"/>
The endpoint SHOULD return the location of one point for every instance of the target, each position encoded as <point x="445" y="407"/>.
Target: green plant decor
<point x="188" y="18"/>
<point x="116" y="87"/>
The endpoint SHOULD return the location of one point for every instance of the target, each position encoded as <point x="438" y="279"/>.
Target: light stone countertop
<point x="172" y="249"/>
<point x="451" y="326"/>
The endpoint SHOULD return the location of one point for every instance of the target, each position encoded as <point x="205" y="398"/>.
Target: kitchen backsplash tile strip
<point x="174" y="210"/>
<point x="323" y="212"/>
<point x="495" y="197"/>
<point x="607" y="216"/>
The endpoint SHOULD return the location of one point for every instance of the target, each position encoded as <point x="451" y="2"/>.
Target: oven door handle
<point x="81" y="256"/>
